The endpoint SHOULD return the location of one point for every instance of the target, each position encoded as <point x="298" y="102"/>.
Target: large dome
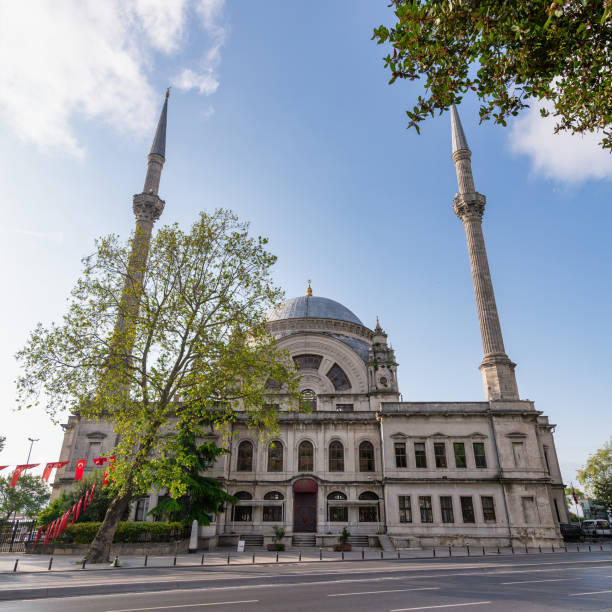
<point x="313" y="307"/>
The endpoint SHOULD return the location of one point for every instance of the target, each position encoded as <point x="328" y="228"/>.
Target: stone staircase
<point x="303" y="540"/>
<point x="252" y="539"/>
<point x="359" y="541"/>
<point x="385" y="542"/>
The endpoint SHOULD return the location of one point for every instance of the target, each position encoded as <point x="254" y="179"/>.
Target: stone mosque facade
<point x="392" y="472"/>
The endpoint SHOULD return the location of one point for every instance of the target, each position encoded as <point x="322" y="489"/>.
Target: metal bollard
<point x="526" y="550"/>
<point x="433" y="550"/>
<point x="320" y="554"/>
<point x="577" y="548"/>
<point x="202" y="561"/>
<point x="498" y="551"/>
<point x="450" y="552"/>
<point x="468" y="551"/>
<point x="540" y="548"/>
<point x="362" y="554"/>
<point x="15" y="566"/>
<point x="300" y="557"/>
<point x="174" y="562"/>
<point x="381" y="554"/>
<point x="277" y="557"/>
<point x="601" y="547"/>
<point x="146" y="559"/>
<point x="83" y="564"/>
<point x="228" y="559"/>
<point x="253" y="558"/>
<point x="589" y="548"/>
<point x="483" y="551"/>
<point x="50" y="563"/>
<point x="553" y="548"/>
<point x="565" y="548"/>
<point x="512" y="548"/>
<point x="398" y="554"/>
<point x="343" y="555"/>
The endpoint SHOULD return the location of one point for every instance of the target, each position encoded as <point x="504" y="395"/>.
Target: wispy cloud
<point x="71" y="59"/>
<point x="563" y="157"/>
<point x="55" y="237"/>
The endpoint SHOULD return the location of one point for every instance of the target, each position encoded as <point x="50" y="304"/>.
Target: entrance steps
<point x="252" y="539"/>
<point x="359" y="541"/>
<point x="304" y="540"/>
<point x="385" y="542"/>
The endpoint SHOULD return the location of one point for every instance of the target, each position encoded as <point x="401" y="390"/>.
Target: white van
<point x="596" y="528"/>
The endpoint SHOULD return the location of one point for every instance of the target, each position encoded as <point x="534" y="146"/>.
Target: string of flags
<point x="49" y="467"/>
<point x="53" y="530"/>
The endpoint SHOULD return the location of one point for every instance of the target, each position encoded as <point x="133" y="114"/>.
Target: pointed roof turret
<point x="159" y="142"/>
<point x="459" y="139"/>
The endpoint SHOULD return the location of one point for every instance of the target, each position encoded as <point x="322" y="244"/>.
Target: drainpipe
<point x="379" y="418"/>
<point x="499" y="471"/>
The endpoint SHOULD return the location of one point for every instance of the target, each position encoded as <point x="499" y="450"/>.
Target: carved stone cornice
<point x="469" y="205"/>
<point x="147" y="207"/>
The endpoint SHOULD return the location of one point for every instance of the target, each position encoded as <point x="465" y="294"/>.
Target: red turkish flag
<point x="3" y="466"/>
<point x="47" y="533"/>
<point x="78" y="510"/>
<point x="18" y="470"/>
<point x="73" y="511"/>
<point x="49" y="468"/>
<point x="39" y="534"/>
<point x="100" y="460"/>
<point x="80" y="468"/>
<point x="111" y="467"/>
<point x="91" y="494"/>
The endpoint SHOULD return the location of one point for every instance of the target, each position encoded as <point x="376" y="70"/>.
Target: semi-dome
<point x="307" y="306"/>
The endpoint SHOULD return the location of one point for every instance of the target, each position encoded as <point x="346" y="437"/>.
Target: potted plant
<point x="343" y="544"/>
<point x="279" y="534"/>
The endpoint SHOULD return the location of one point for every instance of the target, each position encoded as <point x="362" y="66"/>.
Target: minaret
<point x="497" y="369"/>
<point x="147" y="207"/>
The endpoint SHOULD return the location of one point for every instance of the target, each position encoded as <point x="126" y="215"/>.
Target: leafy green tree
<point x="205" y="496"/>
<point x="596" y="475"/>
<point x="28" y="497"/>
<point x="102" y="498"/>
<point x="194" y="349"/>
<point x="510" y="53"/>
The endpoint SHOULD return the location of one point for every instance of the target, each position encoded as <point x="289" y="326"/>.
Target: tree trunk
<point x="99" y="549"/>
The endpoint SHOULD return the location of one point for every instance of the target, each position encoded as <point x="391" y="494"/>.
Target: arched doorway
<point x="305" y="505"/>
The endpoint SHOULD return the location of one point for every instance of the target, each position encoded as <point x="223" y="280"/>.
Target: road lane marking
<point x="389" y="591"/>
<point x="590" y="593"/>
<point x="470" y="603"/>
<point x="197" y="605"/>
<point x="543" y="580"/>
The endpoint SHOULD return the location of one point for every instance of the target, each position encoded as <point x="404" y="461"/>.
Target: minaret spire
<point x="497" y="369"/>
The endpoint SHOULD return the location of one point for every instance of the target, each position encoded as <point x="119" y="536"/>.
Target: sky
<point x="282" y="112"/>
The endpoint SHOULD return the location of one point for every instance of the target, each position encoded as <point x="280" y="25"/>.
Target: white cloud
<point x="564" y="157"/>
<point x="55" y="237"/>
<point x="204" y="79"/>
<point x="91" y="59"/>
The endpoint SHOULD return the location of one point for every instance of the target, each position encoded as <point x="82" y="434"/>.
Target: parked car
<point x="571" y="532"/>
<point x="597" y="528"/>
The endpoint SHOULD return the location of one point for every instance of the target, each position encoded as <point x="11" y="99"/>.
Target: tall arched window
<point x="366" y="457"/>
<point x="368" y="513"/>
<point x="309" y="400"/>
<point x="245" y="457"/>
<point x="243" y="513"/>
<point x="336" y="457"/>
<point x="336" y="512"/>
<point x="273" y="513"/>
<point x="339" y="378"/>
<point x="305" y="457"/>
<point x="275" y="456"/>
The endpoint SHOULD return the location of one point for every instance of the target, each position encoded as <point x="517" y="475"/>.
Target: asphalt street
<point x="538" y="582"/>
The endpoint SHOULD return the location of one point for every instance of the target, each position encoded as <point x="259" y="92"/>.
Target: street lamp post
<point x="32" y="440"/>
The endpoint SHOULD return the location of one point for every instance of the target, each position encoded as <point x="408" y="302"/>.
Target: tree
<point x="596" y="475"/>
<point x="28" y="497"/>
<point x="508" y="52"/>
<point x="95" y="511"/>
<point x="194" y="351"/>
<point x="2" y="442"/>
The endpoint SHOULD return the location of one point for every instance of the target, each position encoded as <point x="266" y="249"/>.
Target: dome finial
<point x="309" y="290"/>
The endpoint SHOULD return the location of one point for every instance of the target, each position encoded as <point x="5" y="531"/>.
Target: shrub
<point x="84" y="533"/>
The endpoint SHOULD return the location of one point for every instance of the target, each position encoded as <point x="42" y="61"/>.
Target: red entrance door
<point x="305" y="512"/>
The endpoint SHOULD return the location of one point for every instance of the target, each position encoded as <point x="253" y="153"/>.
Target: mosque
<point x="394" y="473"/>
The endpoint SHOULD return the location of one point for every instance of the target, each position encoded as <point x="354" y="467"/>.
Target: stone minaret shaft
<point x="497" y="368"/>
<point x="147" y="207"/>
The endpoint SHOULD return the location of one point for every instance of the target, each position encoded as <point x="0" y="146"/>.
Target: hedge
<point x="128" y="531"/>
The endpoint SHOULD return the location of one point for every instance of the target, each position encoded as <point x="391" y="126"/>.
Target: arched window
<point x="241" y="512"/>
<point x="339" y="378"/>
<point x="336" y="457"/>
<point x="368" y="513"/>
<point x="307" y="362"/>
<point x="366" y="457"/>
<point x="305" y="456"/>
<point x="336" y="512"/>
<point x="245" y="457"/>
<point x="273" y="513"/>
<point x="309" y="400"/>
<point x="275" y="456"/>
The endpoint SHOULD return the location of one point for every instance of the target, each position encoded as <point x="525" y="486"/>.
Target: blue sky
<point x="281" y="111"/>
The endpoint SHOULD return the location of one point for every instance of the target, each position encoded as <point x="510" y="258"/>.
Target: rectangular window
<point x="400" y="455"/>
<point x="459" y="448"/>
<point x="446" y="508"/>
<point x="344" y="407"/>
<point x="517" y="453"/>
<point x="440" y="453"/>
<point x="488" y="509"/>
<point x="425" y="508"/>
<point x="419" y="454"/>
<point x="273" y="513"/>
<point x="467" y="510"/>
<point x="142" y="508"/>
<point x="479" y="455"/>
<point x="405" y="509"/>
<point x="338" y="514"/>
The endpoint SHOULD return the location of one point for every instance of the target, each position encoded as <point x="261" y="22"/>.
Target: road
<point x="537" y="582"/>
